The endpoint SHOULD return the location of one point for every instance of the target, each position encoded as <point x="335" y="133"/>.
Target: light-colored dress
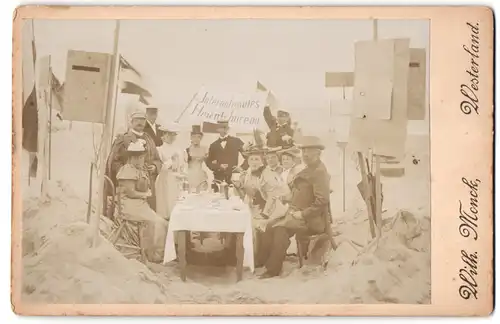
<point x="272" y="184"/>
<point x="168" y="185"/>
<point x="197" y="176"/>
<point x="137" y="209"/>
<point x="250" y="184"/>
<point x="289" y="175"/>
<point x="273" y="188"/>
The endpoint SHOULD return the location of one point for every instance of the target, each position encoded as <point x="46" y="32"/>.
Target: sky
<point x="177" y="57"/>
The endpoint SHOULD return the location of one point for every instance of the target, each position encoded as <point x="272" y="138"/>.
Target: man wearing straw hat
<point x="223" y="154"/>
<point x="308" y="207"/>
<point x="118" y="155"/>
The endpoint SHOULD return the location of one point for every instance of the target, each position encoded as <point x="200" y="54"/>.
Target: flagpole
<point x="115" y="63"/>
<point x="50" y="116"/>
<point x="185" y="108"/>
<point x="32" y="155"/>
<point x="42" y="170"/>
<point x="116" y="96"/>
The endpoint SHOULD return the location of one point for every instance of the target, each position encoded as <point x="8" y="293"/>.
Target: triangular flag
<point x="131" y="80"/>
<point x="261" y="87"/>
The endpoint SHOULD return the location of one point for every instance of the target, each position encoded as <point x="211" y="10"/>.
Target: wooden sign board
<point x="374" y="70"/>
<point x="417" y="84"/>
<point x="391" y="168"/>
<point x="86" y="86"/>
<point x="386" y="136"/>
<point x="339" y="79"/>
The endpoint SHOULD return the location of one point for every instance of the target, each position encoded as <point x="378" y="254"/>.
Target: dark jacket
<point x="118" y="155"/>
<point x="311" y="195"/>
<point x="229" y="154"/>
<point x="274" y="137"/>
<point x="156" y="137"/>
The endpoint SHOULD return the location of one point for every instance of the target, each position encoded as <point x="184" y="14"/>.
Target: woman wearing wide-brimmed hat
<point x="134" y="188"/>
<point x="173" y="159"/>
<point x="272" y="185"/>
<point x="248" y="186"/>
<point x="291" y="162"/>
<point x="196" y="156"/>
<point x="249" y="181"/>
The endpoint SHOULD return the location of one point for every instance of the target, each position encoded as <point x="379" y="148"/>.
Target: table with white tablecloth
<point x="208" y="212"/>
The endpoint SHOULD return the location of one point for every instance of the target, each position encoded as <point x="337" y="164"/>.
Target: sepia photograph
<point x="226" y="161"/>
<point x="238" y="159"/>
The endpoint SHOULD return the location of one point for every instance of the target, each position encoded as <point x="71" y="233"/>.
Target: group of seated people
<point x="285" y="185"/>
<point x="288" y="192"/>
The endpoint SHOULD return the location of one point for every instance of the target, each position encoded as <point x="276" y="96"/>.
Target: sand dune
<point x="60" y="267"/>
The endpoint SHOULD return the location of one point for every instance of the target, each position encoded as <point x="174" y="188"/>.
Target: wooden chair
<point x="304" y="240"/>
<point x="130" y="231"/>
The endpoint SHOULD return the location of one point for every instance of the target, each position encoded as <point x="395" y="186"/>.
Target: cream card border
<point x="461" y="147"/>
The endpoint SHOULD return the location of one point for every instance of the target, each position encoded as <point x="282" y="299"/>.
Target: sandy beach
<point x="60" y="267"/>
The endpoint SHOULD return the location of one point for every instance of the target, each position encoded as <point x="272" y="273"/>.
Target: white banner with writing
<point x="244" y="111"/>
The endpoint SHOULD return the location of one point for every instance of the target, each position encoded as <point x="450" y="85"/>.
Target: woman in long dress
<point x="249" y="188"/>
<point x="196" y="155"/>
<point x="272" y="185"/>
<point x="168" y="181"/>
<point x="134" y="188"/>
<point x="292" y="165"/>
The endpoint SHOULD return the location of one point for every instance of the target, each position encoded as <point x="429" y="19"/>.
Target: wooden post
<point x="42" y="124"/>
<point x="89" y="208"/>
<point x="330" y="114"/>
<point x="107" y="134"/>
<point x="42" y="172"/>
<point x="239" y="256"/>
<point x="378" y="197"/>
<point x="50" y="118"/>
<point x="376" y="167"/>
<point x="368" y="192"/>
<point x="185" y="108"/>
<point x="343" y="147"/>
<point x="116" y="100"/>
<point x="182" y="250"/>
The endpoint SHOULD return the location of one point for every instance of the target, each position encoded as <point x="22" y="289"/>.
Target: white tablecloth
<point x="208" y="213"/>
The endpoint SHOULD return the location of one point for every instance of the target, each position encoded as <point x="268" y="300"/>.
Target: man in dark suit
<point x="223" y="154"/>
<point x="308" y="212"/>
<point x="151" y="128"/>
